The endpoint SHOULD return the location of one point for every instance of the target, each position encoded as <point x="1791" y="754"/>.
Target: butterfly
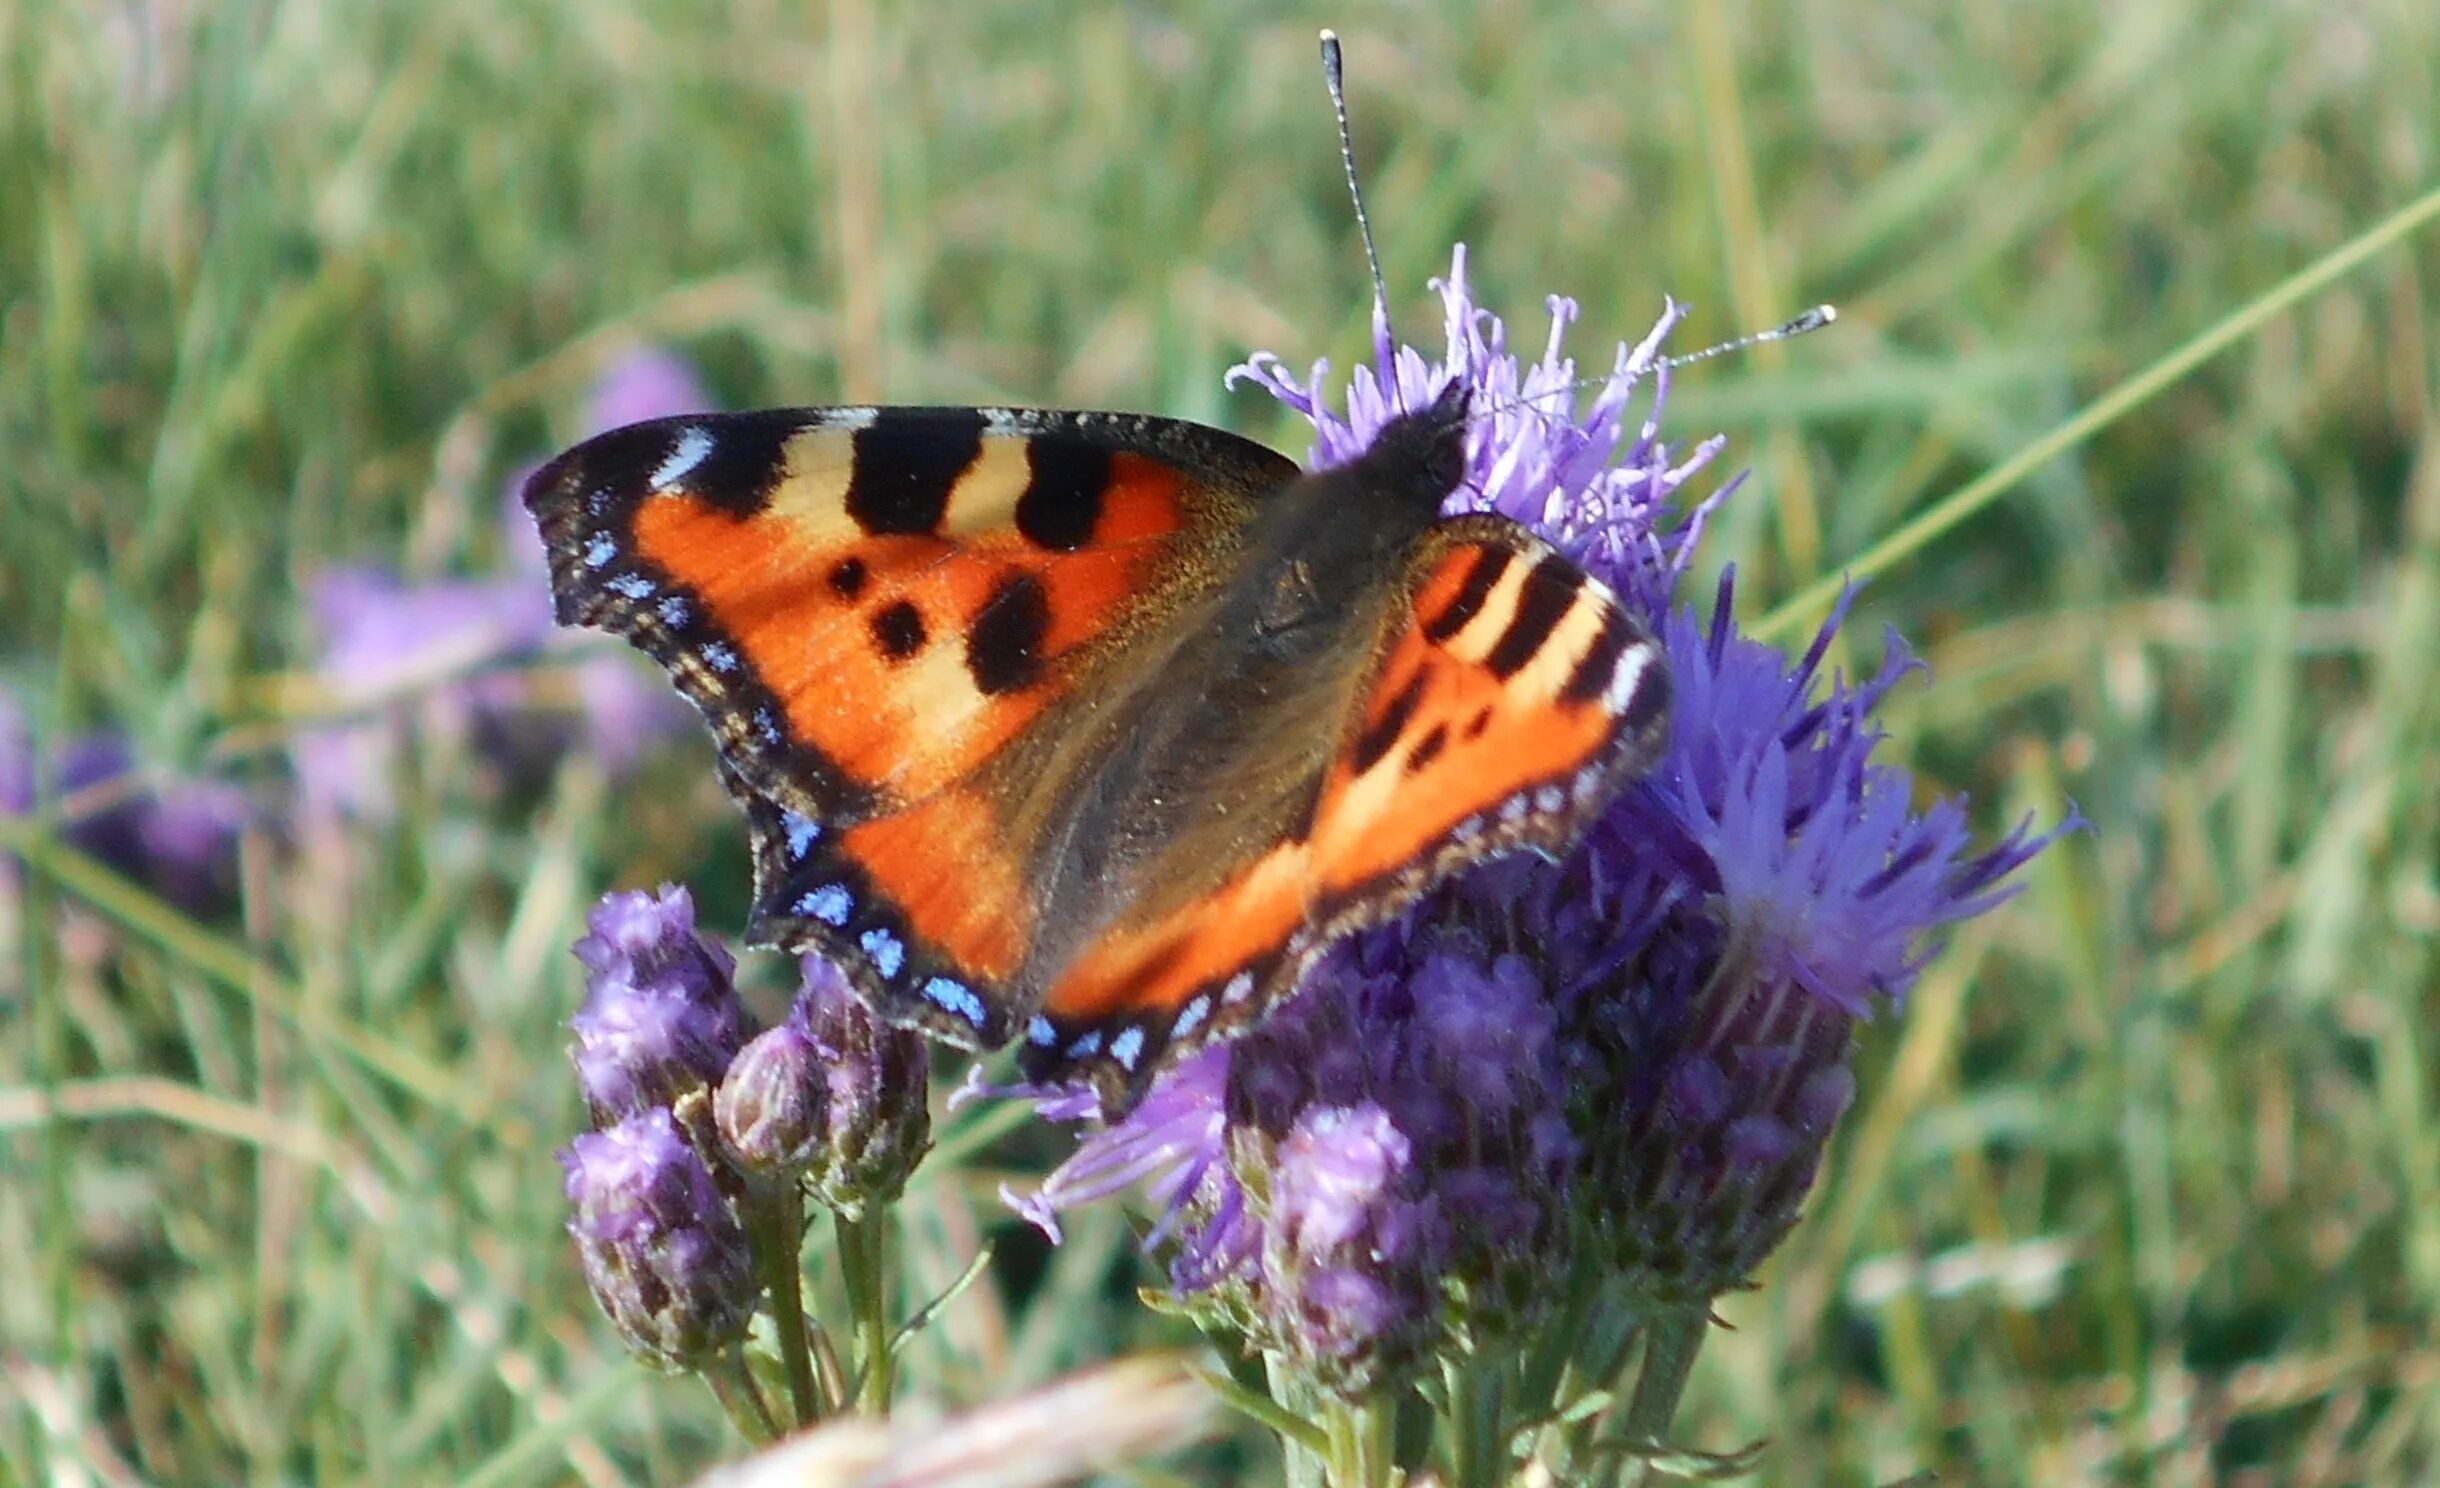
<point x="1094" y="730"/>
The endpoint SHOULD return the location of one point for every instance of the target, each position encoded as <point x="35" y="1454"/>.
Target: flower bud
<point x="832" y="1094"/>
<point x="664" y="1254"/>
<point x="1350" y="1274"/>
<point x="771" y="1108"/>
<point x="1707" y="1174"/>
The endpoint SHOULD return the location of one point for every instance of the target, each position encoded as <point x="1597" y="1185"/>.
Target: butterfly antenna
<point x="1334" y="77"/>
<point x="1812" y="320"/>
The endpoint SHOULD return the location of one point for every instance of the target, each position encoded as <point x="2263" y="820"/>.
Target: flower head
<point x="1640" y="1048"/>
<point x="1576" y="478"/>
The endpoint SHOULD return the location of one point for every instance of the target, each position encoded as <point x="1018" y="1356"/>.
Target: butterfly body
<point x="1092" y="730"/>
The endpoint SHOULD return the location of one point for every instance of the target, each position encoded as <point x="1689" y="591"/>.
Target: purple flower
<point x="664" y="1254"/>
<point x="1171" y="1139"/>
<point x="442" y="646"/>
<point x="832" y="1096"/>
<point x="1353" y="1237"/>
<point x="1576" y="479"/>
<point x="177" y="837"/>
<point x="645" y="384"/>
<point x="1641" y="1048"/>
<point x="383" y="636"/>
<point x="661" y="1018"/>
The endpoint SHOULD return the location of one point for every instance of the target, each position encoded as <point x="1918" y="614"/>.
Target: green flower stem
<point x="863" y="1264"/>
<point x="732" y="1384"/>
<point x="1309" y="1452"/>
<point x="1670" y="1345"/>
<point x="776" y="1225"/>
<point x="1361" y="1451"/>
<point x="1478" y="1434"/>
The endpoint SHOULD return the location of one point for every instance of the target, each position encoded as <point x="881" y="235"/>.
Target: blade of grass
<point x="1815" y="599"/>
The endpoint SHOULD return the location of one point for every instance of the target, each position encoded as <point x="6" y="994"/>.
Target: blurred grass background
<point x="2143" y="1187"/>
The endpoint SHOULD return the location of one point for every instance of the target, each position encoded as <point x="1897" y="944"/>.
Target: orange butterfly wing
<point x="870" y="607"/>
<point x="1512" y="698"/>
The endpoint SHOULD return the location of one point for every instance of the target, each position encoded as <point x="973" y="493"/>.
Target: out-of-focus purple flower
<point x="16" y="758"/>
<point x="385" y="639"/>
<point x="177" y="837"/>
<point x="661" y="1017"/>
<point x="646" y="384"/>
<point x="664" y="1254"/>
<point x="832" y="1096"/>
<point x="624" y="708"/>
<point x="388" y="643"/>
<point x="383" y="636"/>
<point x="1641" y="1048"/>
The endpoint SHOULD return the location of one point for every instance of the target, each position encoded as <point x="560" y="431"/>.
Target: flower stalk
<point x="775" y="1224"/>
<point x="864" y="1267"/>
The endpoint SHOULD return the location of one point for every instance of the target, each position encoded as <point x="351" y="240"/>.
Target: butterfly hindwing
<point x="1509" y="711"/>
<point x="815" y="891"/>
<point x="1510" y="697"/>
<point x="870" y="607"/>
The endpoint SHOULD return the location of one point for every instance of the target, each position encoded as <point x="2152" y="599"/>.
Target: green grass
<point x="2143" y="1186"/>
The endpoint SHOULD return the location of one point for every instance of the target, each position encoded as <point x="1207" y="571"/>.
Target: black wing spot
<point x="747" y="460"/>
<point x="1062" y="502"/>
<point x="1479" y="722"/>
<point x="899" y="630"/>
<point x="906" y="468"/>
<point x="1004" y="649"/>
<point x="1427" y="749"/>
<point x="1599" y="664"/>
<point x="1649" y="702"/>
<point x="847" y="578"/>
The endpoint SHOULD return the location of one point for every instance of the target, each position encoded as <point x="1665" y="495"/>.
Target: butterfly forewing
<point x="872" y="607"/>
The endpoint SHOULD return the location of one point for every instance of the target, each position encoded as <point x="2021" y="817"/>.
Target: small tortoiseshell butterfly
<point x="1094" y="729"/>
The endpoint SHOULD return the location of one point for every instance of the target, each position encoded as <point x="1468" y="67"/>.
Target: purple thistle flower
<point x="1575" y="479"/>
<point x="664" y="1254"/>
<point x="831" y="1096"/>
<point x="661" y="1018"/>
<point x="1642" y="1047"/>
